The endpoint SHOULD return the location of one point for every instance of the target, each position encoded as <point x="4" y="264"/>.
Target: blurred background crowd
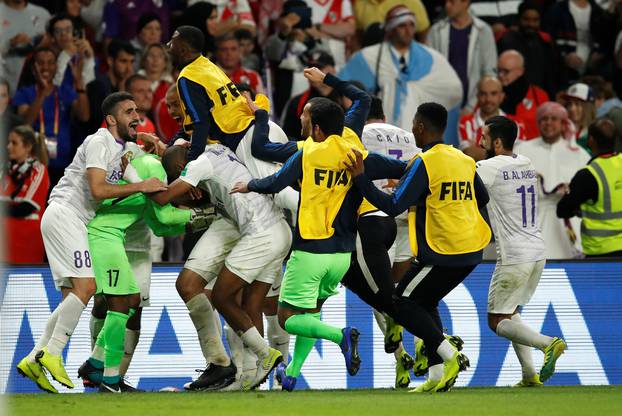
<point x="552" y="66"/>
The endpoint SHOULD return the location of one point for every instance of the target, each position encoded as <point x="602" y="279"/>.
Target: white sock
<point x="202" y="316"/>
<point x="435" y="372"/>
<point x="278" y="338"/>
<point x="523" y="353"/>
<point x="131" y="341"/>
<point x="380" y="321"/>
<point x="253" y="340"/>
<point x="69" y="314"/>
<point x="95" y="326"/>
<point x="446" y="350"/>
<point x="236" y="347"/>
<point x="46" y="335"/>
<point x="217" y="322"/>
<point x="515" y="330"/>
<point x="249" y="365"/>
<point x="98" y="353"/>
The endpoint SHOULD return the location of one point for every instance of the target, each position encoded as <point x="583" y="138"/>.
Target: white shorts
<point x="400" y="250"/>
<point x="250" y="257"/>
<point x="275" y="289"/>
<point x="140" y="262"/>
<point x="66" y="244"/>
<point x="513" y="285"/>
<point x="288" y="197"/>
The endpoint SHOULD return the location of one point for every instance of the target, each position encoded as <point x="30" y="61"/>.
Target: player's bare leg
<point x="220" y="371"/>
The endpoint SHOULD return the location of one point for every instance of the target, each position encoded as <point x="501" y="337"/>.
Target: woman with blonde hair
<point x="579" y="102"/>
<point x="25" y="184"/>
<point x="155" y="64"/>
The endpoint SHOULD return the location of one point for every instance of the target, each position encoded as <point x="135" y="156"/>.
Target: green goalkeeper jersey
<point x="115" y="216"/>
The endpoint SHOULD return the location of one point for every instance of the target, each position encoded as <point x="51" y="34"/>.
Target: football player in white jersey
<point x="90" y="178"/>
<point x="511" y="182"/>
<point x="243" y="250"/>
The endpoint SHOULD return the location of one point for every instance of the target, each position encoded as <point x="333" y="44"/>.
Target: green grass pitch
<point x="545" y="401"/>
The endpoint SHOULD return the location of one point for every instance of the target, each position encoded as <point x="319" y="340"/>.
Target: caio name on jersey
<point x="330" y="178"/>
<point x="456" y="191"/>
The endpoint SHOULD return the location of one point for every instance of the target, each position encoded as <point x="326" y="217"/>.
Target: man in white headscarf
<point x="556" y="158"/>
<point x="405" y="73"/>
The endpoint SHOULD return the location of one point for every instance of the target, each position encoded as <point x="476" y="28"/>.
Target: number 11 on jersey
<point x="523" y="195"/>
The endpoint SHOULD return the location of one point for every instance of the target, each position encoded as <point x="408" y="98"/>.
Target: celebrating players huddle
<point x="401" y="242"/>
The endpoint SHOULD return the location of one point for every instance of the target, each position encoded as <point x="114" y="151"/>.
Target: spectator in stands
<point x="332" y="24"/>
<point x="468" y="44"/>
<point x="22" y="24"/>
<point x="204" y="17"/>
<point x="522" y="99"/>
<point x="93" y="14"/>
<point x="287" y="51"/>
<point x="489" y="98"/>
<point x="229" y="59"/>
<point x="148" y="32"/>
<point x="369" y="12"/>
<point x="48" y="108"/>
<point x="168" y="117"/>
<point x="605" y="97"/>
<point x="25" y="185"/>
<point x="231" y="16"/>
<point x="156" y="66"/>
<point x="8" y="118"/>
<point x="250" y="59"/>
<point x="140" y="88"/>
<point x="290" y="120"/>
<point x="392" y="70"/>
<point x="69" y="43"/>
<point x="595" y="194"/>
<point x="584" y="34"/>
<point x="578" y="100"/>
<point x="121" y="56"/>
<point x="556" y="158"/>
<point x="536" y="46"/>
<point x="121" y="17"/>
<point x="74" y="8"/>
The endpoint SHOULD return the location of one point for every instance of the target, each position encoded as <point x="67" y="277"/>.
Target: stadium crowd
<point x="552" y="66"/>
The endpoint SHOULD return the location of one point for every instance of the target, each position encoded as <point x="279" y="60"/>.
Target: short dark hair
<point x="57" y="18"/>
<point x="433" y="116"/>
<point x="41" y="49"/>
<point x="134" y="78"/>
<point x="109" y="105"/>
<point x="241" y="34"/>
<point x="224" y="38"/>
<point x="604" y="132"/>
<point x="375" y="110"/>
<point x="327" y="114"/>
<point x="504" y="129"/>
<point x="192" y="36"/>
<point x="171" y="156"/>
<point x="529" y="5"/>
<point x="116" y="46"/>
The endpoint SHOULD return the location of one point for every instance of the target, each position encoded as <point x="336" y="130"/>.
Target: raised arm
<point x="288" y="175"/>
<point x="261" y="146"/>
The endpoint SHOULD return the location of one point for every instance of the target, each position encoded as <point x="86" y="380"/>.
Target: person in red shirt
<point x="229" y="58"/>
<point x="522" y="99"/>
<point x="25" y="183"/>
<point x="490" y="95"/>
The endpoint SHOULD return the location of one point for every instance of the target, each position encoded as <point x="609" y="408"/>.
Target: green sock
<point x="309" y="325"/>
<point x="302" y="348"/>
<point x="114" y="337"/>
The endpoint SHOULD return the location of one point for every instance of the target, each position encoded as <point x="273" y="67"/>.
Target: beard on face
<point x="128" y="132"/>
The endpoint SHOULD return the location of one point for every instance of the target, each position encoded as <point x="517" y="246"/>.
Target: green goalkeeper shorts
<point x="310" y="277"/>
<point x="113" y="273"/>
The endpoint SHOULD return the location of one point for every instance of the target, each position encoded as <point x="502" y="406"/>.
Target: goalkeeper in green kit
<point x="113" y="274"/>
